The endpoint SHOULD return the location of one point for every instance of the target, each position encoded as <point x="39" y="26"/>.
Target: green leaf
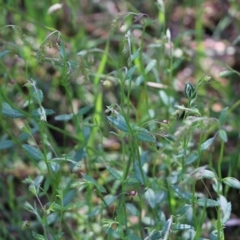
<point x="223" y="115"/>
<point x="47" y="183"/>
<point x="132" y="236"/>
<point x="190" y="91"/>
<point x="232" y="182"/>
<point x="114" y="173"/>
<point x="224" y="74"/>
<point x="38" y="112"/>
<point x="5" y="144"/>
<point x="182" y="227"/>
<point x="130" y="72"/>
<point x="135" y="55"/>
<point x="150" y="197"/>
<point x="206" y="202"/>
<point x="113" y="233"/>
<point x="144" y="158"/>
<point x="37" y="96"/>
<point x="217" y="186"/>
<point x="55" y="167"/>
<point x="62" y="51"/>
<point x="118" y="122"/>
<point x="132" y="209"/>
<point x="226" y="209"/>
<point x="207" y="174"/>
<point x="7" y="110"/>
<point x="214" y="235"/>
<point x="64" y="117"/>
<point x="223" y="135"/>
<point x="95" y="211"/>
<point x="3" y="53"/>
<point x="184" y="195"/>
<point x="150" y="66"/>
<point x="207" y="144"/>
<point x="94" y="182"/>
<point x="139" y="80"/>
<point x="145" y="136"/>
<point x="38" y="236"/>
<point x="169" y="137"/>
<point x="121" y="215"/>
<point x="38" y="180"/>
<point x="166" y="99"/>
<point x="34" y="153"/>
<point x="141" y="134"/>
<point x="27" y="132"/>
<point x="138" y="172"/>
<point x="182" y="211"/>
<point x="84" y="110"/>
<point x="192" y="158"/>
<point x="109" y="199"/>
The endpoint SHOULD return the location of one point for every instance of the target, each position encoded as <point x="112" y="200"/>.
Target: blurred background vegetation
<point x="185" y="40"/>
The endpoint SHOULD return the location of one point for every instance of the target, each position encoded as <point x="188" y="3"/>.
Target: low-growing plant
<point x="149" y="188"/>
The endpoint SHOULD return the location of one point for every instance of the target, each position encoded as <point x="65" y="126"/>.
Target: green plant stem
<point x="220" y="160"/>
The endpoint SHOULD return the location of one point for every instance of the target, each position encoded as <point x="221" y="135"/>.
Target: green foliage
<point x="71" y="170"/>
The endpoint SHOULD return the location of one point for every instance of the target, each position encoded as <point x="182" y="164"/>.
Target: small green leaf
<point x="190" y="91"/>
<point x="150" y="66"/>
<point x="232" y="182"/>
<point x="94" y="182"/>
<point x="37" y="96"/>
<point x="3" y="53"/>
<point x="109" y="199"/>
<point x="5" y="144"/>
<point x="207" y="144"/>
<point x="55" y="167"/>
<point x="169" y="137"/>
<point x="121" y="215"/>
<point x="62" y="51"/>
<point x="27" y="132"/>
<point x="144" y="158"/>
<point x="84" y="110"/>
<point x="182" y="227"/>
<point x="223" y="115"/>
<point x="150" y="197"/>
<point x="135" y="55"/>
<point x="223" y="135"/>
<point x="130" y="72"/>
<point x="214" y="235"/>
<point x="182" y="211"/>
<point x="206" y="202"/>
<point x="95" y="211"/>
<point x="207" y="174"/>
<point x="114" y="173"/>
<point x="132" y="236"/>
<point x="7" y="110"/>
<point x="38" y="112"/>
<point x="34" y="153"/>
<point x="226" y="209"/>
<point x="138" y="173"/>
<point x="217" y="186"/>
<point x="64" y="117"/>
<point x="166" y="99"/>
<point x="145" y="136"/>
<point x="118" y="122"/>
<point x="38" y="180"/>
<point x="139" y="80"/>
<point x="132" y="209"/>
<point x="224" y="74"/>
<point x="33" y="190"/>
<point x="184" y="195"/>
<point x="38" y="236"/>
<point x="192" y="158"/>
